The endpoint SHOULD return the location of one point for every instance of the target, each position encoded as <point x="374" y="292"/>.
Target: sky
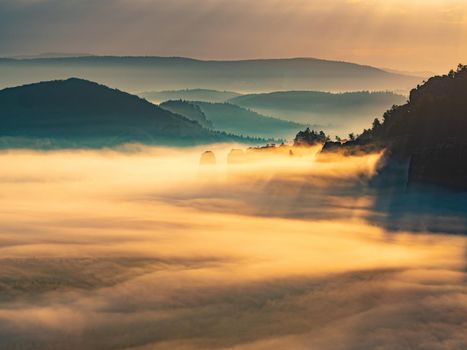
<point x="411" y="35"/>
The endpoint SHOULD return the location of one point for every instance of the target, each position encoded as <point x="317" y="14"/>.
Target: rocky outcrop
<point x="208" y="158"/>
<point x="331" y="146"/>
<point x="236" y="156"/>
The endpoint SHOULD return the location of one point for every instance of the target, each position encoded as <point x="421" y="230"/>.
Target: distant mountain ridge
<point x="317" y="101"/>
<point x="162" y="73"/>
<point x="80" y="112"/>
<point x="50" y="55"/>
<point x="203" y="95"/>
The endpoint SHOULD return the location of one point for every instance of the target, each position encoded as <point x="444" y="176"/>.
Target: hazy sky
<point x="406" y="35"/>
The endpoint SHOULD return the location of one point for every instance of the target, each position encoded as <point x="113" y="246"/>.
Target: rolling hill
<point x="237" y="120"/>
<point x="77" y="112"/>
<point x="338" y="112"/>
<point x="189" y="110"/>
<point x="137" y="74"/>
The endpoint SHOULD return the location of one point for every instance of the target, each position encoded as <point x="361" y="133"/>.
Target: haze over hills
<point x="340" y="113"/>
<point x="236" y="120"/>
<point x="51" y="55"/>
<point x="317" y="101"/>
<point x="77" y="112"/>
<point x="204" y="95"/>
<point x="169" y="73"/>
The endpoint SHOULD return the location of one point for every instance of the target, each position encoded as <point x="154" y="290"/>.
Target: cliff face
<point x="444" y="165"/>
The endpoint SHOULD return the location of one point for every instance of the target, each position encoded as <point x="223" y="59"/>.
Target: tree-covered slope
<point x="237" y="120"/>
<point x="436" y="114"/>
<point x="429" y="131"/>
<point x="189" y="110"/>
<point x="82" y="112"/>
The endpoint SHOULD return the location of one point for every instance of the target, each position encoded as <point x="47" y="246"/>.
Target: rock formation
<point x="208" y="158"/>
<point x="236" y="156"/>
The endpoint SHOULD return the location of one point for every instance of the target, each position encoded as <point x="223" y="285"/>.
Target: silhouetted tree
<point x="461" y="67"/>
<point x="376" y="124"/>
<point x="310" y="138"/>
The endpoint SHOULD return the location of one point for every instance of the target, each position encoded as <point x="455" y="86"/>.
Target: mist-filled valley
<point x="144" y="248"/>
<point x="233" y="175"/>
<point x="214" y="219"/>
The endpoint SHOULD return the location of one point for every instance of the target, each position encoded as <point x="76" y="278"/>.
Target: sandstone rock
<point x="208" y="158"/>
<point x="236" y="156"/>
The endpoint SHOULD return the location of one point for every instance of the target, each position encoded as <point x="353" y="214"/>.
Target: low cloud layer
<point x="146" y="250"/>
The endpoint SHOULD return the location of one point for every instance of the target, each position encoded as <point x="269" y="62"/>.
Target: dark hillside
<point x="189" y="110"/>
<point x="429" y="132"/>
<point x="240" y="121"/>
<point x="83" y="112"/>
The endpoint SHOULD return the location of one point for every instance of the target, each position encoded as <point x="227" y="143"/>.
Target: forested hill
<point x="236" y="120"/>
<point x="80" y="112"/>
<point x="430" y="131"/>
<point x="436" y="114"/>
<point x="189" y="110"/>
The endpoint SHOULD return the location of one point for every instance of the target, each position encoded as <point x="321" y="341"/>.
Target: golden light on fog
<point x="49" y="189"/>
<point x="167" y="254"/>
